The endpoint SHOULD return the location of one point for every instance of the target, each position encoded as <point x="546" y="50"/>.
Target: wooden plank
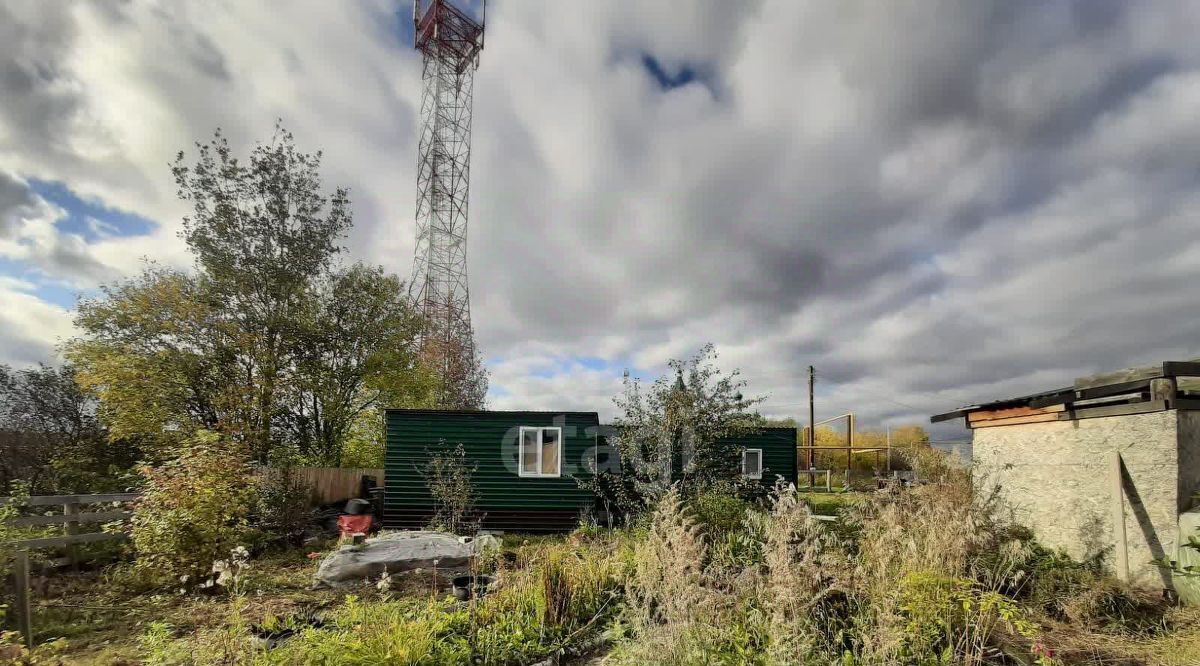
<point x="1147" y="372"/>
<point x="1120" y="410"/>
<point x="71" y="528"/>
<point x="1013" y="412"/>
<point x="1019" y="420"/>
<point x="1056" y="398"/>
<point x="58" y="542"/>
<point x="1121" y="544"/>
<point x="54" y="500"/>
<point x="1182" y="368"/>
<point x="82" y="518"/>
<point x="1185" y="403"/>
<point x="24" y="607"/>
<point x="948" y="416"/>
<point x="1114" y="389"/>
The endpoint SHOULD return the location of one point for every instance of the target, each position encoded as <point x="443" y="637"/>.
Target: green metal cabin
<point x="525" y="464"/>
<point x="527" y="488"/>
<point x="777" y="448"/>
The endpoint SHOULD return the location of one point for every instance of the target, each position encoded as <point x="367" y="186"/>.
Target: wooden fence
<point x="328" y="484"/>
<point x="70" y="519"/>
<point x="332" y="484"/>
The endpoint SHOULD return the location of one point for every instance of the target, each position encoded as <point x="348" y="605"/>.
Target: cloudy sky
<point x="934" y="203"/>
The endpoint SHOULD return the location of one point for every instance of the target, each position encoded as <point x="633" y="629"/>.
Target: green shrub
<point x="14" y="509"/>
<point x="448" y="477"/>
<point x="193" y="510"/>
<point x="947" y="621"/>
<point x="283" y="505"/>
<point x="718" y="513"/>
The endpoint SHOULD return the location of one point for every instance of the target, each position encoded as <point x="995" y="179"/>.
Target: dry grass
<point x="804" y="586"/>
<point x="1177" y="645"/>
<point x="98" y="617"/>
<point x="932" y="574"/>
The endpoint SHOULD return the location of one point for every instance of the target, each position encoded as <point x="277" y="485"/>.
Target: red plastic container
<point x="354" y="524"/>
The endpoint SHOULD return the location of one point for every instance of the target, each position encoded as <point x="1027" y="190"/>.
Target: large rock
<point x="394" y="552"/>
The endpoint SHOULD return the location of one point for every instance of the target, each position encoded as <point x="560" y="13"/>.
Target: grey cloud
<point x="932" y="202"/>
<point x="802" y="224"/>
<point x="15" y="198"/>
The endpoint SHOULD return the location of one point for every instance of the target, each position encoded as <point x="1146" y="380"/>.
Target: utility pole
<point x="812" y="420"/>
<point x="889" y="448"/>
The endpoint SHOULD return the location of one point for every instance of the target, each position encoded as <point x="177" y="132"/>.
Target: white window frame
<point x="521" y="452"/>
<point x="747" y="474"/>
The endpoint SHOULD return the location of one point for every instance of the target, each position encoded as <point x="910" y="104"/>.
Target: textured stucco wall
<point x="1057" y="479"/>
<point x="1189" y="458"/>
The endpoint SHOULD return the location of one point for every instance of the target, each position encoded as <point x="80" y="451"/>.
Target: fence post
<point x="24" y="609"/>
<point x="828" y="483"/>
<point x="71" y="528"/>
<point x="846" y="482"/>
<point x="1120" y="544"/>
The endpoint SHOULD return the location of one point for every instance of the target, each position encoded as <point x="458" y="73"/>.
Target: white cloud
<point x="931" y="202"/>
<point x="30" y="235"/>
<point x="31" y="328"/>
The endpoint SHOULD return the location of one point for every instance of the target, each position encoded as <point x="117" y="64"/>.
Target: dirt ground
<point x="98" y="617"/>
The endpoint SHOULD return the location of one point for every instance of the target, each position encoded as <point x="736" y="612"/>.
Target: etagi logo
<point x="599" y="456"/>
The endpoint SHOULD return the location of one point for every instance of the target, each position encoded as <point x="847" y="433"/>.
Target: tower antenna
<point x="449" y="41"/>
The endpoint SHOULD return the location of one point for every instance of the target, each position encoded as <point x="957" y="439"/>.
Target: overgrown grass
<point x="557" y="598"/>
<point x="928" y="575"/>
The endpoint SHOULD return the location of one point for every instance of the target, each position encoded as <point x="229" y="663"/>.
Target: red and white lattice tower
<point x="450" y="42"/>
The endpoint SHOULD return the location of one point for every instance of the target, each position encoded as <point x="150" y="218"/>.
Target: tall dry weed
<point x="682" y="611"/>
<point x="668" y="581"/>
<point x="806" y="583"/>
<point x="930" y="532"/>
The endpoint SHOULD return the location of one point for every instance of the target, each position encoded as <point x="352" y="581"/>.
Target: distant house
<point x="525" y="464"/>
<point x="1066" y="459"/>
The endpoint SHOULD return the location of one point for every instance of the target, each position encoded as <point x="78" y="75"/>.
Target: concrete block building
<point x="1106" y="465"/>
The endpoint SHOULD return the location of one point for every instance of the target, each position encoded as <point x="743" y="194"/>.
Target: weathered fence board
<point x="57" y="542"/>
<point x="24" y="607"/>
<point x="99" y="517"/>
<point x="332" y="484"/>
<point x="52" y="500"/>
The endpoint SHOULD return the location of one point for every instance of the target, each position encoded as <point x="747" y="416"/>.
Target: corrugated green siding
<point x="508" y="501"/>
<point x="779" y="452"/>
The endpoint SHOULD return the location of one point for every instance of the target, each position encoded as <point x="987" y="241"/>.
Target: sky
<point x="933" y="203"/>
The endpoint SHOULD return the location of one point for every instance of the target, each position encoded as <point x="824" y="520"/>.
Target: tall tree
<point x="50" y="437"/>
<point x="262" y="233"/>
<point x="271" y="340"/>
<point x="461" y="378"/>
<point x="159" y="354"/>
<point x="357" y="353"/>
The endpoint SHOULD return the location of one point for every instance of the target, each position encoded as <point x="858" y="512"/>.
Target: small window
<point x="752" y="463"/>
<point x="540" y="452"/>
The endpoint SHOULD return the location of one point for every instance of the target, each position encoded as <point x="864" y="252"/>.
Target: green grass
<point x="830" y="504"/>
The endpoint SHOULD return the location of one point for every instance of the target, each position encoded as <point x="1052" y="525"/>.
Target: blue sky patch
<point x="49" y="291"/>
<point x="667" y="80"/>
<point x="89" y="218"/>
